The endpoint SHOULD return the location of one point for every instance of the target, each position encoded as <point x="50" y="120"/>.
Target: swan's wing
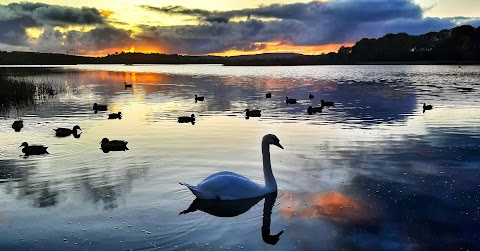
<point x="224" y="173"/>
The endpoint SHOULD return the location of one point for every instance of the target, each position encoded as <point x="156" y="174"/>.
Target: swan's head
<point x="247" y="110"/>
<point x="76" y="128"/>
<point x="192" y="116"/>
<point x="104" y="141"/>
<point x="272" y="140"/>
<point x="24" y="144"/>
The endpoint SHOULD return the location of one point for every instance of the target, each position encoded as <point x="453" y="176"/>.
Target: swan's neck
<point x="270" y="183"/>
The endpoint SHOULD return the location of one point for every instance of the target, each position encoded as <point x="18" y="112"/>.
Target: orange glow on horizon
<point x="137" y="48"/>
<point x="269" y="47"/>
<point x="280" y="47"/>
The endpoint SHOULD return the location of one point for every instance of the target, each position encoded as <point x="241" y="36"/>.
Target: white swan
<point x="233" y="186"/>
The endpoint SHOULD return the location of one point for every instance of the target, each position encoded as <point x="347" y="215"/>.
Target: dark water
<point x="372" y="173"/>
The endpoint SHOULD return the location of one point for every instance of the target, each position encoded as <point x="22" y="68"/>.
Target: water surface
<point x="374" y="172"/>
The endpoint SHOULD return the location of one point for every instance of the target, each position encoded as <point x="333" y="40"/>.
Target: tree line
<point x="450" y="46"/>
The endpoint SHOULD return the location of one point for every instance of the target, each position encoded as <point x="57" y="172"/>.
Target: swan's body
<point x="268" y="95"/>
<point x="310" y="96"/>
<point x="17" y="125"/>
<point x="127" y="85"/>
<point x="232" y="186"/>
<point x="64" y="132"/>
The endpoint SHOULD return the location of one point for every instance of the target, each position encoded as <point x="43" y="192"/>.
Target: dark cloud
<point x="313" y="23"/>
<point x="15" y="18"/>
<point x="98" y="39"/>
<point x="39" y="14"/>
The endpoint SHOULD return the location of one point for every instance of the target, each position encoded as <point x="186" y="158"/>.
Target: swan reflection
<point x="232" y="208"/>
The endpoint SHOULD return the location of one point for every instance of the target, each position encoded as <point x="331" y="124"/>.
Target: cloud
<point x="15" y="18"/>
<point x="297" y="24"/>
<point x="302" y="24"/>
<point x="39" y="14"/>
<point x="98" y="39"/>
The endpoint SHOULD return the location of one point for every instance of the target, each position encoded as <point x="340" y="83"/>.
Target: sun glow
<point x="286" y="47"/>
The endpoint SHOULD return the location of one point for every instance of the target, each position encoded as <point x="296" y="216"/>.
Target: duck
<point x="127" y="85"/>
<point x="311" y="110"/>
<point x="290" y="100"/>
<point x="232" y="186"/>
<point x="97" y="107"/>
<point x="33" y="149"/>
<point x="252" y="113"/>
<point x="117" y="115"/>
<point x="17" y="125"/>
<point x="427" y="107"/>
<point x="197" y="98"/>
<point x="64" y="132"/>
<point x="310" y="96"/>
<point x="113" y="145"/>
<point x="327" y="103"/>
<point x="268" y="95"/>
<point x="186" y="119"/>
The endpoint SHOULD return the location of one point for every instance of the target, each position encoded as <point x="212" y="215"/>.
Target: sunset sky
<point x="218" y="27"/>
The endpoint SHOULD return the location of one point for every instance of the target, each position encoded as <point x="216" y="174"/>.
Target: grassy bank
<point x="16" y="91"/>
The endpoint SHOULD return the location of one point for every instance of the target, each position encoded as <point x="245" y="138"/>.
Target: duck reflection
<point x="232" y="208"/>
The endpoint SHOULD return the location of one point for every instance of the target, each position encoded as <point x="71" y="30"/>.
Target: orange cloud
<point x="332" y="205"/>
<point x="106" y="13"/>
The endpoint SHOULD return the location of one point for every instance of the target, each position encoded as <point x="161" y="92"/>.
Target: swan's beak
<point x="278" y="144"/>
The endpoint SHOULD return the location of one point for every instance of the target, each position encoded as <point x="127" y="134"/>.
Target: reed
<point x="18" y="91"/>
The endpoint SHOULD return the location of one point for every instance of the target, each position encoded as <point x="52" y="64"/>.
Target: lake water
<point x="374" y="172"/>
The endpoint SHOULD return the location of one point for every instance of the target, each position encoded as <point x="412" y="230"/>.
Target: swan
<point x="17" y="125"/>
<point x="268" y="95"/>
<point x="34" y="149"/>
<point x="232" y="186"/>
<point x="290" y="100"/>
<point x="117" y="115"/>
<point x="63" y="132"/>
<point x="127" y="85"/>
<point x="97" y="107"/>
<point x="327" y="103"/>
<point x="310" y="96"/>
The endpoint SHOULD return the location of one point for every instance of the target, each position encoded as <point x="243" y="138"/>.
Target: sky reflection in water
<point x="371" y="173"/>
